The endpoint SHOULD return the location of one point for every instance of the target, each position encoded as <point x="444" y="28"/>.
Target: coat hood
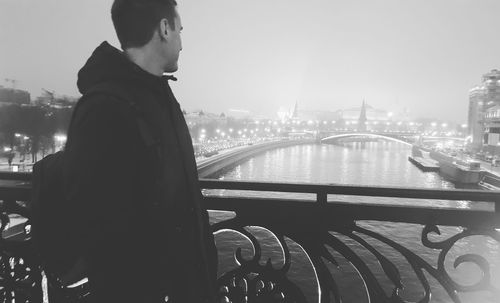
<point x="108" y="64"/>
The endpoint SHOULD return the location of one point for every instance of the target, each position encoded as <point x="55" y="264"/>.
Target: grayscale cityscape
<point x="345" y="151"/>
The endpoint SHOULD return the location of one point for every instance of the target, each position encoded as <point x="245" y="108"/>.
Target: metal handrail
<point x="15" y="176"/>
<point x="321" y="190"/>
<point x="358" y="190"/>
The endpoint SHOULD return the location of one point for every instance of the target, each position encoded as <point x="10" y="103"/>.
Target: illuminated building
<point x="484" y="127"/>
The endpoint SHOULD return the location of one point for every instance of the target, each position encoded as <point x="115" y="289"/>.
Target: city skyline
<point x="421" y="56"/>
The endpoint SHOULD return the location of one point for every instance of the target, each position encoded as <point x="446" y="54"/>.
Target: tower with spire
<point x="362" y="118"/>
<point x="295" y="113"/>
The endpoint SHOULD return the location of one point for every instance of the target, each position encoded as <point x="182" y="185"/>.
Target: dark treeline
<point x="30" y="129"/>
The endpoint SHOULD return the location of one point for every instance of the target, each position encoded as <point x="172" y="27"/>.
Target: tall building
<point x="13" y="96"/>
<point x="484" y="127"/>
<point x="372" y="114"/>
<point x="295" y="113"/>
<point x="362" y="118"/>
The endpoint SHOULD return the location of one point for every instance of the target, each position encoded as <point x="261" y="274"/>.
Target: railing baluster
<point x="321" y="197"/>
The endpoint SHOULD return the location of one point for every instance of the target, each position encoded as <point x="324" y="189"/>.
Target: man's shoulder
<point x="113" y="90"/>
<point x="100" y="106"/>
<point x="112" y="93"/>
<point x="100" y="102"/>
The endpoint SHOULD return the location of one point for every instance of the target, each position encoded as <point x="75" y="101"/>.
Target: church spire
<point x="362" y="118"/>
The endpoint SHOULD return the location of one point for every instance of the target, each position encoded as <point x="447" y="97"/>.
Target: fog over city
<point x="323" y="151"/>
<point x="263" y="55"/>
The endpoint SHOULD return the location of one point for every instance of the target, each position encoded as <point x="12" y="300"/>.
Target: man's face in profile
<point x="173" y="46"/>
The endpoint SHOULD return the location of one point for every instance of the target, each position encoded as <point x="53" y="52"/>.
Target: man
<point x="137" y="204"/>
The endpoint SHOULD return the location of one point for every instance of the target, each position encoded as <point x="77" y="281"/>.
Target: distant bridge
<point x="392" y="137"/>
<point x="325" y="133"/>
<point x="402" y="137"/>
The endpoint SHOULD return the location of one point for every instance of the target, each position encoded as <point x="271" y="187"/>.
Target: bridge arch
<point x="365" y="135"/>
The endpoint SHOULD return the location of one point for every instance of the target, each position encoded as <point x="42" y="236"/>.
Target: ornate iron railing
<point x="329" y="235"/>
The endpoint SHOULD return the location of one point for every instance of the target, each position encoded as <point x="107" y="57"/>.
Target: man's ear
<point x="164" y="29"/>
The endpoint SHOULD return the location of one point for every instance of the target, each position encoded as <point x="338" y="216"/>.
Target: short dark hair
<point x="136" y="20"/>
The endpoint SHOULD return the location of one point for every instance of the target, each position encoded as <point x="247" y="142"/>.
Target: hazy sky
<point x="260" y="55"/>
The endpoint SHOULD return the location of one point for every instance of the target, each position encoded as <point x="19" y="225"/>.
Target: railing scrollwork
<point x="20" y="275"/>
<point x="318" y="239"/>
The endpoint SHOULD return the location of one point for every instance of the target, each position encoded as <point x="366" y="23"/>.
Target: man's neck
<point x="146" y="59"/>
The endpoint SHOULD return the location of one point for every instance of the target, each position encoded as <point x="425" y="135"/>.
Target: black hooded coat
<point x="137" y="209"/>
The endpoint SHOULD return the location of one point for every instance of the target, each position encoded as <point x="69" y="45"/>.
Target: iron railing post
<point x="321" y="197"/>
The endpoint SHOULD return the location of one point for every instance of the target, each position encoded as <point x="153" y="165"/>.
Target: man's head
<point x="152" y="23"/>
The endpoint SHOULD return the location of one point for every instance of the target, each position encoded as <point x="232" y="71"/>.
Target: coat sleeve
<point x="100" y="170"/>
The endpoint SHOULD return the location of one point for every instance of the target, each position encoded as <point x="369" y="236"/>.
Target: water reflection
<point x="367" y="163"/>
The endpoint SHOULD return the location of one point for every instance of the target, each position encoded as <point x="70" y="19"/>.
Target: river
<point x="380" y="163"/>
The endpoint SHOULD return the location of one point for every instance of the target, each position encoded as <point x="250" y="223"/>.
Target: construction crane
<point x="49" y="93"/>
